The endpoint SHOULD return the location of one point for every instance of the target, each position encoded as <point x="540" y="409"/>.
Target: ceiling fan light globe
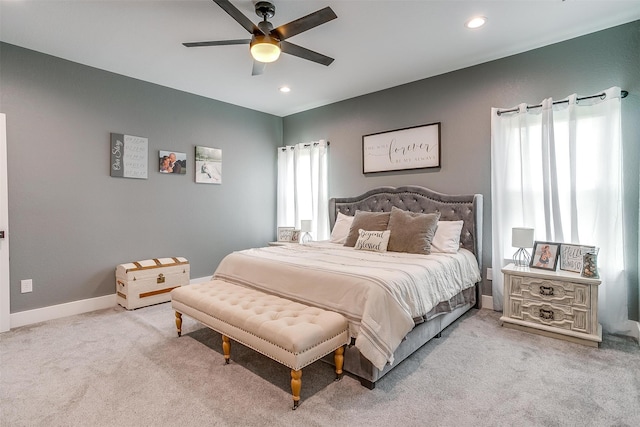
<point x="265" y="50"/>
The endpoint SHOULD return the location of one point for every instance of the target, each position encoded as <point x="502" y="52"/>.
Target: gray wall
<point x="462" y="101"/>
<point x="71" y="223"/>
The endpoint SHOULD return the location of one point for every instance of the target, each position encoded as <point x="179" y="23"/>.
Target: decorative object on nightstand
<point x="305" y="228"/>
<point x="590" y="264"/>
<point x="558" y="304"/>
<point x="284" y="234"/>
<point x="545" y="255"/>
<point x="522" y="238"/>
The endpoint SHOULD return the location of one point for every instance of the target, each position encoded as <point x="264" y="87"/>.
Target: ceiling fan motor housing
<point x="265" y="9"/>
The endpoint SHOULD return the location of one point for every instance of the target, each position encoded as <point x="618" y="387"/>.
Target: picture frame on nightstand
<point x="295" y="236"/>
<point x="545" y="255"/>
<point x="285" y="233"/>
<point x="571" y="256"/>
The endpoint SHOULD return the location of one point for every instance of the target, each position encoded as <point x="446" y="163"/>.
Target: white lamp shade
<point x="522" y="237"/>
<point x="305" y="225"/>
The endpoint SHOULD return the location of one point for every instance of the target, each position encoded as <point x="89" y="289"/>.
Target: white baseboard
<point x="635" y="331"/>
<point x="43" y="314"/>
<point x="52" y="312"/>
<point x="487" y="302"/>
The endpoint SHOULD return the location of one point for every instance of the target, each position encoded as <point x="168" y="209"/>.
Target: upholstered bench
<point x="288" y="332"/>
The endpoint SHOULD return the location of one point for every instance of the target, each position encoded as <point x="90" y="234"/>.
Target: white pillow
<point x="447" y="237"/>
<point x="341" y="228"/>
<point x="375" y="241"/>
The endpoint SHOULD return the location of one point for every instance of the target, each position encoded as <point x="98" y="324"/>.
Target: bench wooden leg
<point x="226" y="349"/>
<point x="179" y="323"/>
<point x="296" y="385"/>
<point x="338" y="359"/>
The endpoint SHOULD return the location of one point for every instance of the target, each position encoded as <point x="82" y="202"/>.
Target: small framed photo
<point x="172" y="162"/>
<point x="571" y="256"/>
<point x="284" y="234"/>
<point x="545" y="255"/>
<point x="295" y="236"/>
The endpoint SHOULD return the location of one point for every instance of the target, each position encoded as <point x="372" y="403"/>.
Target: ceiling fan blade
<point x="304" y="53"/>
<point x="258" y="68"/>
<point x="217" y="43"/>
<point x="239" y="17"/>
<point x="305" y="23"/>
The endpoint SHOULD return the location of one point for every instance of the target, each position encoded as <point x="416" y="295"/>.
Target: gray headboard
<point x="419" y="199"/>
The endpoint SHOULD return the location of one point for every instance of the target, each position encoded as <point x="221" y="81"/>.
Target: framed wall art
<point x="129" y="156"/>
<point x="172" y="162"/>
<point x="208" y="165"/>
<point x="571" y="256"/>
<point x="545" y="255"/>
<point x="415" y="147"/>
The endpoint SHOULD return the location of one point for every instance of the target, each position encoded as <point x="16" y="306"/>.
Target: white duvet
<point x="379" y="293"/>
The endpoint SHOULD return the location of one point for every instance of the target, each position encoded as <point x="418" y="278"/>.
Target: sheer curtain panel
<point x="558" y="169"/>
<point x="303" y="187"/>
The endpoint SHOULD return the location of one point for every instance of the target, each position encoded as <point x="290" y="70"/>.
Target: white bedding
<point x="379" y="293"/>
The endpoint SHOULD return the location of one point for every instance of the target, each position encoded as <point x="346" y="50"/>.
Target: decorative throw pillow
<point x="375" y="241"/>
<point x="447" y="237"/>
<point x="373" y="221"/>
<point x="412" y="232"/>
<point x="341" y="228"/>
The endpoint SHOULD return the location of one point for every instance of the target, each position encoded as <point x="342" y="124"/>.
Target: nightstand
<point x="282" y="243"/>
<point x="559" y="304"/>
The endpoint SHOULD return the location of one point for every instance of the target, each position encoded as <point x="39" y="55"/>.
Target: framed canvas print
<point x="545" y="255"/>
<point x="129" y="156"/>
<point x="172" y="162"/>
<point x="208" y="165"/>
<point x="295" y="236"/>
<point x="416" y="147"/>
<point x="284" y="234"/>
<point x="571" y="256"/>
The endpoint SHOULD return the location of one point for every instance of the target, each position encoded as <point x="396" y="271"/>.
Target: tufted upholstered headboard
<point x="420" y="199"/>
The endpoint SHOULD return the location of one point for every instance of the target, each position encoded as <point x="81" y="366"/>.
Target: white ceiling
<point x="376" y="44"/>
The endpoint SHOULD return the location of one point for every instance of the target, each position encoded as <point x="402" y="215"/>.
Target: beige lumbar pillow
<point x="375" y="241"/>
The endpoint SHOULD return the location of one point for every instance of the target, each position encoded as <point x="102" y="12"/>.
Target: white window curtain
<point x="303" y="187"/>
<point x="558" y="169"/>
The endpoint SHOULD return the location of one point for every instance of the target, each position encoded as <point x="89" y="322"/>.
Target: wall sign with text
<point x="416" y="147"/>
<point x="129" y="156"/>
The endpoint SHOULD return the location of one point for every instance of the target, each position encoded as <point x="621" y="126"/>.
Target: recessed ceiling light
<point x="285" y="89"/>
<point x="475" y="22"/>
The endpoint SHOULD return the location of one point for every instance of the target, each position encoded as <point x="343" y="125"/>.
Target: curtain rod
<point x="623" y="94"/>
<point x="305" y="145"/>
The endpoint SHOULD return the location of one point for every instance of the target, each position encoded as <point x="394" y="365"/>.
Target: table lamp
<point x="521" y="238"/>
<point x="305" y="227"/>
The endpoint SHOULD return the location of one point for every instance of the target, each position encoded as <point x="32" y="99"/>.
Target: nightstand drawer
<point x="558" y="316"/>
<point x="550" y="291"/>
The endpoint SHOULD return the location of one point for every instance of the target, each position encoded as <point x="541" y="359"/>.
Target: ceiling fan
<point x="267" y="42"/>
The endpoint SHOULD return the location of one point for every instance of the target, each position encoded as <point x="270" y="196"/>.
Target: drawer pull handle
<point x="160" y="278"/>
<point x="546" y="291"/>
<point x="546" y="314"/>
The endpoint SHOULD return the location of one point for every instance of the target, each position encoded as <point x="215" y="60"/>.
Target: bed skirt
<point x="437" y="319"/>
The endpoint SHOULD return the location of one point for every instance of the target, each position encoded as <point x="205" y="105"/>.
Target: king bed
<point x="396" y="295"/>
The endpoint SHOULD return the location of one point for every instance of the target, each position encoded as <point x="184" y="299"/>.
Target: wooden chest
<point x="147" y="282"/>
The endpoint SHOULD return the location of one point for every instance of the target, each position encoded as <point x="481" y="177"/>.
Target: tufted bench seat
<point x="288" y="332"/>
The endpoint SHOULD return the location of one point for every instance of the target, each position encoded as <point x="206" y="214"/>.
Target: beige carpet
<point x="128" y="368"/>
